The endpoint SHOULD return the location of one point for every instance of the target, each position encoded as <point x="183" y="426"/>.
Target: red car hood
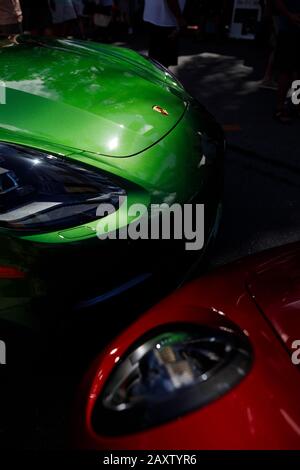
<point x="275" y="286"/>
<point x="257" y="294"/>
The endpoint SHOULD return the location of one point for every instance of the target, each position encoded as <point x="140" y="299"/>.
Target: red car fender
<point x="262" y="412"/>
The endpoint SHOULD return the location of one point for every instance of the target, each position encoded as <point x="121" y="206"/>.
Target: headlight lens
<point x="42" y="192"/>
<point x="170" y="374"/>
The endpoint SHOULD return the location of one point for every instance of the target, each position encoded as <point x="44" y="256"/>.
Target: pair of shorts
<point x="287" y="56"/>
<point x="36" y="15"/>
<point x="8" y="29"/>
<point x="161" y="47"/>
<point x="124" y="7"/>
<point x="64" y="11"/>
<point x="78" y="7"/>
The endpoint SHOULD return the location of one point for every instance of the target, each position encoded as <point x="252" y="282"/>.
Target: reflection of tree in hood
<point x="52" y="67"/>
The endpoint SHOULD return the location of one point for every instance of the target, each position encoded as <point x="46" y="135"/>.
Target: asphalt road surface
<point x="262" y="165"/>
<point x="261" y="207"/>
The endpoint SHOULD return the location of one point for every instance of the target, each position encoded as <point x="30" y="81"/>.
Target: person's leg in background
<point x="124" y="6"/>
<point x="285" y="62"/>
<point x="10" y="29"/>
<point x="154" y="51"/>
<point x="71" y="23"/>
<point x="78" y="6"/>
<point x="64" y="17"/>
<point x="284" y="84"/>
<point x="11" y="18"/>
<point x="131" y="15"/>
<point x="163" y="44"/>
<point x="269" y="79"/>
<point x="37" y="17"/>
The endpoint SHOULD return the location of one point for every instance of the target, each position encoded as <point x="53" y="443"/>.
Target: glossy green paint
<point x="79" y="97"/>
<point x="169" y="173"/>
<point x="115" y="221"/>
<point x="93" y="103"/>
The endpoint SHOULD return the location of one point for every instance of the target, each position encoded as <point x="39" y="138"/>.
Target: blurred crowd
<point x="165" y="21"/>
<point x="62" y="18"/>
<point x="100" y="18"/>
<point x="280" y="30"/>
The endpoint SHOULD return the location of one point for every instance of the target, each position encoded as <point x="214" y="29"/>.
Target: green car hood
<point x="86" y="96"/>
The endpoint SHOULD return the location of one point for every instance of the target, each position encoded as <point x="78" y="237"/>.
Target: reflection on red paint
<point x="9" y="272"/>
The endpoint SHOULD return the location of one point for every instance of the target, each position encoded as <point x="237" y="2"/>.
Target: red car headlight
<point x="168" y="374"/>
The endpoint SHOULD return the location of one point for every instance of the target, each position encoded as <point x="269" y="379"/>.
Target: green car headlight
<point x="43" y="192"/>
<point x="169" y="374"/>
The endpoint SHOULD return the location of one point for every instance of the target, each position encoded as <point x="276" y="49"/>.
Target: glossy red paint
<point x="9" y="272"/>
<point x="263" y="411"/>
<point x="276" y="289"/>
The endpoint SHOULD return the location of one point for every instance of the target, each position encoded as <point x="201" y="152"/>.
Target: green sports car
<point x="84" y="124"/>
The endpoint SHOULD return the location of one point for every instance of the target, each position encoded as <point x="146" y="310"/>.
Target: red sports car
<point x="214" y="366"/>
